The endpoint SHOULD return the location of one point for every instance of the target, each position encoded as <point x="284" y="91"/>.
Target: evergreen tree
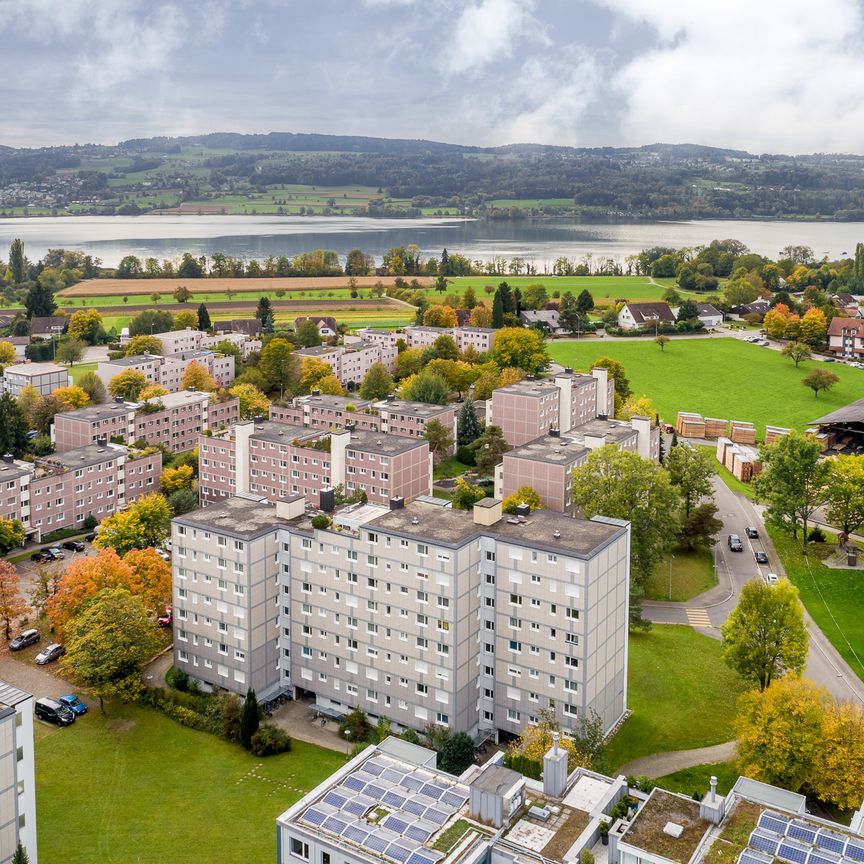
<point x="444" y="266"/>
<point x="39" y="302"/>
<point x="585" y="302"/>
<point x="20" y="856"/>
<point x="264" y="313"/>
<point x="204" y="322"/>
<point x="13" y="427"/>
<point x="18" y="263"/>
<point x="858" y="269"/>
<point x="498" y="310"/>
<point x="569" y="314"/>
<point x="250" y="718"/>
<point x="508" y="302"/>
<point x="468" y="428"/>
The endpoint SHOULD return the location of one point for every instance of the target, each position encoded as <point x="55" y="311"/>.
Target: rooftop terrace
<point x="650" y="829"/>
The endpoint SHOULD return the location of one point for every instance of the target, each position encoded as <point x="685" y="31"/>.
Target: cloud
<point x="487" y="32"/>
<point x="770" y="76"/>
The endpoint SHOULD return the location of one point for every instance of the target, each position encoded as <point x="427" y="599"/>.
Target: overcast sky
<point x="762" y="75"/>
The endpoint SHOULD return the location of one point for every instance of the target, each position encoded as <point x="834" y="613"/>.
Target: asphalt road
<point x="708" y="612"/>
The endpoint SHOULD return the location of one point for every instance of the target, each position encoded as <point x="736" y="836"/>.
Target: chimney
<point x="397" y="503"/>
<point x="350" y="426"/>
<point x="568" y="370"/>
<point x="327" y="500"/>
<point x="487" y="511"/>
<point x="8" y="458"/>
<point x="554" y="433"/>
<point x="119" y="400"/>
<point x="713" y="806"/>
<point x="101" y="440"/>
<point x="316" y="392"/>
<point x="523" y="510"/>
<point x="391" y="397"/>
<point x="555" y="770"/>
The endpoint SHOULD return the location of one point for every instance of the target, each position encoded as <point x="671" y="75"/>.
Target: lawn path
<point x="661" y="764"/>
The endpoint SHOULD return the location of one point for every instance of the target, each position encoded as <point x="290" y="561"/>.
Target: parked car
<point x="761" y="557"/>
<point x="167" y="619"/>
<point x="751" y="532"/>
<point x="74" y="545"/>
<point x="830" y="360"/>
<point x="772" y="578"/>
<point x="50" y="653"/>
<point x="41" y="555"/>
<point x="57" y="552"/>
<point x="89" y="538"/>
<point x="165" y="556"/>
<point x="735" y="543"/>
<point x="24" y="640"/>
<point x="53" y="711"/>
<point x="74" y="704"/>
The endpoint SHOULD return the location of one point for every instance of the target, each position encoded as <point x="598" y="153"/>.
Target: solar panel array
<point x="799" y="842"/>
<point x="420" y="801"/>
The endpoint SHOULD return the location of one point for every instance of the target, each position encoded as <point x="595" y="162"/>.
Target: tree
<point x="584" y="302"/>
<point x="780" y="732"/>
<point x="107" y="644"/>
<point x="330" y="385"/>
<point x="152" y="391"/>
<point x="439" y="316"/>
<point x="377" y="383"/>
<point x="86" y="326"/>
<point x="700" y="528"/>
<point x="197" y="377"/>
<point x="93" y="386"/>
<point x="535" y="297"/>
<point x="308" y="334"/>
<point x="144" y="523"/>
<point x="185" y="320"/>
<point x="796" y="352"/>
<point x="481" y="316"/>
<point x="39" y="301"/>
<point x="128" y="384"/>
<point x="687" y="311"/>
<point x="13" y="427"/>
<point x="440" y="439"/>
<point x="358" y="263"/>
<point x="814" y="327"/>
<point x="250" y="718"/>
<point x="690" y="472"/>
<point x="12" y="604"/>
<point x="264" y="313"/>
<point x="662" y="341"/>
<point x="838" y="770"/>
<point x="636" y="406"/>
<point x="844" y="493"/>
<point x="151" y="321"/>
<point x="820" y="379"/>
<point x="177" y="478"/>
<point x="444" y="348"/>
<point x="252" y="401"/>
<point x="780" y="322"/>
<point x="465" y="496"/>
<point x="69" y="351"/>
<point x="497" y="309"/>
<point x="72" y="397"/>
<point x="457" y="754"/>
<point x="426" y="387"/>
<point x="129" y="267"/>
<point x="524" y="349"/>
<point x="204" y="322"/>
<point x="7" y="354"/>
<point x="182" y="293"/>
<point x="17" y="262"/>
<point x="536" y="740"/>
<point x="312" y="370"/>
<point x="183" y="501"/>
<point x="764" y="636"/>
<point x="617" y="374"/>
<point x="468" y="427"/>
<point x="44" y="412"/>
<point x="523" y="495"/>
<point x="621" y="485"/>
<point x="11" y="535"/>
<point x="490" y="449"/>
<point x="568" y="313"/>
<point x="46" y="581"/>
<point x="408" y="362"/>
<point x="792" y="481"/>
<point x="279" y="365"/>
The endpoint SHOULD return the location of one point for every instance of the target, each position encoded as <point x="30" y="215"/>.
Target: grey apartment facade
<point x="17" y="774"/>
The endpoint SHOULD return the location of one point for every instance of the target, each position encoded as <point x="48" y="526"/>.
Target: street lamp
<point x="671" y="559"/>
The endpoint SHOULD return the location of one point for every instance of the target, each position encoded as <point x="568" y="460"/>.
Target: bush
<point x="466" y="455"/>
<point x="586" y="856"/>
<point x="270" y="740"/>
<point x="90" y="523"/>
<point x="178" y="679"/>
<point x="816" y="535"/>
<point x="524" y="765"/>
<point x="320" y="521"/>
<point x="39" y="352"/>
<point x="356" y="725"/>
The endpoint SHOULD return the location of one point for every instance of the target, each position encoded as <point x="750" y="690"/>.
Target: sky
<point x="779" y="76"/>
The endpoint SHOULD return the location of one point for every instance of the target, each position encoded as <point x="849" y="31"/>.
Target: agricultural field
<point x="718" y="378"/>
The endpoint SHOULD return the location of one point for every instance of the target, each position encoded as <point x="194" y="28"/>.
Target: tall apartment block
<point x="168" y="371"/>
<point x="422" y="613"/>
<point x="350" y="362"/>
<point x="45" y="378"/>
<point x="482" y="339"/>
<point x="17" y="774"/>
<point x="62" y="490"/>
<point x="280" y="461"/>
<point x="174" y="420"/>
<point x="179" y="341"/>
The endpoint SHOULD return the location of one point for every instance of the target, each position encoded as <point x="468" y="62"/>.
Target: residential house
<point x="545" y="319"/>
<point x="846" y="337"/>
<point x="51" y="327"/>
<point x="327" y="327"/>
<point x="638" y="316"/>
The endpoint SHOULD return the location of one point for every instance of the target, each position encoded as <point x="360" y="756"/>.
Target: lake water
<point x="540" y="242"/>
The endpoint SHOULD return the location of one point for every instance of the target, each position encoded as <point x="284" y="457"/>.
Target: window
<point x="299" y="849"/>
<point x="571" y="639"/>
<point x="571" y="710"/>
<point x="572" y="614"/>
<point x="515" y="600"/>
<point x="515" y="646"/>
<point x="512" y="715"/>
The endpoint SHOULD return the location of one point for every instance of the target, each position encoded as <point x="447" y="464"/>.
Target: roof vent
<point x="513" y="521"/>
<point x="557" y="534"/>
<point x="415" y="520"/>
<point x="673" y="829"/>
<point x="379" y="442"/>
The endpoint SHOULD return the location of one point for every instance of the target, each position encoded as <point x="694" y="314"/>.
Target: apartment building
<point x="546" y="464"/>
<point x="62" y="490"/>
<point x="241" y="341"/>
<point x="279" y="461"/>
<point x="45" y="378"/>
<point x="320" y="411"/>
<point x="17" y="774"/>
<point x="423" y="613"/>
<point x="168" y="371"/>
<point x="528" y="409"/>
<point x="225" y="593"/>
<point x="385" y="338"/>
<point x="482" y="339"/>
<point x="149" y="365"/>
<point x="350" y="362"/>
<point x="174" y="420"/>
<point x="401" y="417"/>
<point x="846" y="337"/>
<point x="181" y="341"/>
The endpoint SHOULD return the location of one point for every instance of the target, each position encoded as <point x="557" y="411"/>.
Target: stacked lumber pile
<point x="690" y="425"/>
<point x="743" y="432"/>
<point x="715" y="428"/>
<point x="772" y="433"/>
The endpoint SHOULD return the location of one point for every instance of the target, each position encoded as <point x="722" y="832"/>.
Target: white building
<point x="17" y="774"/>
<point x="45" y="378"/>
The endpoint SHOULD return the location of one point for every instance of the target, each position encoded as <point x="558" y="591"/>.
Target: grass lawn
<point x="724" y="378"/>
<point x="692" y="573"/>
<point x="697" y="779"/>
<point x="834" y="598"/>
<point x="136" y="786"/>
<point x="76" y="371"/>
<point x="681" y="694"/>
<point x="451" y="467"/>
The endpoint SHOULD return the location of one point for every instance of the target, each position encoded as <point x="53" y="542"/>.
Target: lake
<point x="539" y="241"/>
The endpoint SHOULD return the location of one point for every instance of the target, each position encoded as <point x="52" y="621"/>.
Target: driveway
<point x="35" y="679"/>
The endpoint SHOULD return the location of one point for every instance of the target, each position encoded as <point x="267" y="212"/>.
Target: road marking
<point x="698" y="618"/>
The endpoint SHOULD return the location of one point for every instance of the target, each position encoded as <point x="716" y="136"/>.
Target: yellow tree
<point x="312" y="370"/>
<point x="330" y="385"/>
<point x="523" y="495"/>
<point x="524" y="349"/>
<point x="186" y="320"/>
<point x="481" y="316"/>
<point x="29" y="400"/>
<point x="12" y="604"/>
<point x="197" y="377"/>
<point x="72" y="397"/>
<point x="637" y="407"/>
<point x="177" y="478"/>
<point x="7" y="353"/>
<point x="536" y="740"/>
<point x="143" y="344"/>
<point x="85" y="324"/>
<point x="252" y="401"/>
<point x="142" y="524"/>
<point x="128" y="384"/>
<point x="814" y="327"/>
<point x="152" y="391"/>
<point x="838" y="775"/>
<point x="439" y="316"/>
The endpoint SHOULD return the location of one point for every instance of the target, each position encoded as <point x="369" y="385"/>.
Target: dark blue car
<point x="73" y="703"/>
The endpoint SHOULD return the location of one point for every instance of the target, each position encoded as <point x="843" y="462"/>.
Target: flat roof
<point x="183" y="397"/>
<point x="381" y="442"/>
<point x="81" y="457"/>
<point x="191" y="354"/>
<point x="646" y="831"/>
<point x="134" y="360"/>
<point x="445" y="526"/>
<point x="617" y="430"/>
<point x="11" y="696"/>
<point x="552" y="449"/>
<point x="31" y="369"/>
<point x="93" y="413"/>
<point x="11" y="470"/>
<point x="414" y="409"/>
<point x="496" y="779"/>
<point x="526" y="387"/>
<point x="324" y="400"/>
<point x="317" y="350"/>
<point x="243" y="516"/>
<point x="284" y="433"/>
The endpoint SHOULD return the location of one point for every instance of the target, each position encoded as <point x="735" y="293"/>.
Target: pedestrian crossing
<point x="698" y="618"/>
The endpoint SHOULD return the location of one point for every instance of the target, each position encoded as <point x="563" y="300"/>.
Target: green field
<point x="834" y="598"/>
<point x="691" y="574"/>
<point x="136" y="786"/>
<point x="76" y="371"/>
<point x="681" y="694"/>
<point x="719" y="378"/>
<point x="698" y="779"/>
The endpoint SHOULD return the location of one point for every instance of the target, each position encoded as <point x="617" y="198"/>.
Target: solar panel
<point x="826" y="839"/>
<point x="424" y="856"/>
<point x="417" y="832"/>
<point x="412" y="805"/>
<point x="356" y="832"/>
<point x="373" y="767"/>
<point x="375" y="790"/>
<point x="752" y="856"/>
<point x="773" y="821"/>
<point x="822" y="856"/>
<point x="793" y="851"/>
<point x="394" y="799"/>
<point x="764" y="840"/>
<point x="433" y="791"/>
<point x="392" y="775"/>
<point x="400" y="853"/>
<point x="377" y="843"/>
<point x="336" y="825"/>
<point x="314" y="816"/>
<point x="354" y="783"/>
<point x="396" y="823"/>
<point x="453" y="799"/>
<point x="855" y="850"/>
<point x="358" y="806"/>
<point x="335" y="799"/>
<point x="439" y="817"/>
<point x="800" y="830"/>
<point x="411" y="782"/>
